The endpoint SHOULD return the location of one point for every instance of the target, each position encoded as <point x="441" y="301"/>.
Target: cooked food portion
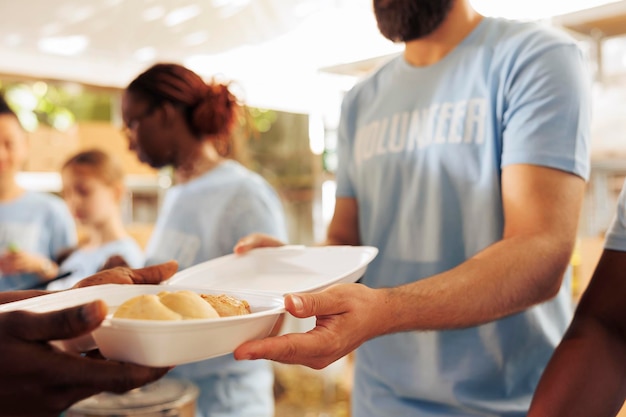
<point x="146" y="307"/>
<point x="188" y="304"/>
<point x="226" y="305"/>
<point x="181" y="305"/>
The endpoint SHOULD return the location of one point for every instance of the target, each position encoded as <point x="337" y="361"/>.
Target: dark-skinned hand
<point x="38" y="379"/>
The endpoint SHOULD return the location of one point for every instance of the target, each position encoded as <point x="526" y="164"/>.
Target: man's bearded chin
<point x="407" y="20"/>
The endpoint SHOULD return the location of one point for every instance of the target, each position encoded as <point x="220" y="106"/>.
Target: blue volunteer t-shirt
<point x="616" y="236"/>
<point x="84" y="262"/>
<point x="201" y="220"/>
<point x="37" y="223"/>
<point x="422" y="150"/>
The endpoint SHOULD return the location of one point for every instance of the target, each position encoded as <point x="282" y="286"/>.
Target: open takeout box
<point x="261" y="277"/>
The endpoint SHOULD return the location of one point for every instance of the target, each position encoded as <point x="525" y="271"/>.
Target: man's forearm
<point x="506" y="278"/>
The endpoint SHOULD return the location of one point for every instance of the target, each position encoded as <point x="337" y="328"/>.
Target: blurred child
<point x="93" y="188"/>
<point x="34" y="226"/>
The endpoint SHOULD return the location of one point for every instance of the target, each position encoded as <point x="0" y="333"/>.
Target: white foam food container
<point x="261" y="277"/>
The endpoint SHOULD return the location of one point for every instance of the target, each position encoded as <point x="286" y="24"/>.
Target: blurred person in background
<point x="39" y="380"/>
<point x="587" y="373"/>
<point x="34" y="226"/>
<point x="463" y="160"/>
<point x="93" y="188"/>
<point x="174" y="118"/>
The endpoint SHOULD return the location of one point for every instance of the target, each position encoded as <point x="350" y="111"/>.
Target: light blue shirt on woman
<point x="201" y="220"/>
<point x="86" y="261"/>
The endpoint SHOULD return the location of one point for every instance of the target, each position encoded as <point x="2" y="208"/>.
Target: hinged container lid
<point x="280" y="270"/>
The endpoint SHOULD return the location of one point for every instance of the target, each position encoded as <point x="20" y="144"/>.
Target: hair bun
<point x="215" y="113"/>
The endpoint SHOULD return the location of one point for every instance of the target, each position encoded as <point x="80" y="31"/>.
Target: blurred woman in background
<point x="34" y="226"/>
<point x="173" y="118"/>
<point x="93" y="188"/>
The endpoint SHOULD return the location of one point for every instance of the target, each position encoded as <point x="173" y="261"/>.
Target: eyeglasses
<point x="128" y="128"/>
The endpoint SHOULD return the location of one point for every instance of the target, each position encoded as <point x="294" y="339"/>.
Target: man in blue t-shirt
<point x="464" y="162"/>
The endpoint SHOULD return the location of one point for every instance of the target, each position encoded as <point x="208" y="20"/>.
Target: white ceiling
<point x="272" y="48"/>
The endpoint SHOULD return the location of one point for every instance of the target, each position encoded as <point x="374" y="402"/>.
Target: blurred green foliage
<point x="58" y="105"/>
<point x="275" y="143"/>
<point x="282" y="153"/>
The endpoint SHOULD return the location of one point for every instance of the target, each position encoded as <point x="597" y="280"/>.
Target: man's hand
<point x="39" y="380"/>
<point x="124" y="275"/>
<point x="347" y="315"/>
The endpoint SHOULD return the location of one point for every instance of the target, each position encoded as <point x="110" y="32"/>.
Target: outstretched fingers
<point x="154" y="274"/>
<point x="294" y="348"/>
<point x="121" y="275"/>
<point x="63" y="324"/>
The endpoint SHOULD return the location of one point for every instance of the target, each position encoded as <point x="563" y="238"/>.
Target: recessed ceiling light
<point x="182" y="14"/>
<point x="63" y="45"/>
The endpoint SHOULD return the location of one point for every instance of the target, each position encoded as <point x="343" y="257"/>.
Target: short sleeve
<point x="133" y="255"/>
<point x="345" y="187"/>
<point x="257" y="210"/>
<point x="546" y="119"/>
<point x="616" y="236"/>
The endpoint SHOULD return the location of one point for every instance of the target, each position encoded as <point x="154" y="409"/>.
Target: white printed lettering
<point x="398" y="132"/>
<point x="443" y="122"/>
<point x="461" y="122"/>
<point x="380" y="138"/>
<point x="456" y="127"/>
<point x="474" y="121"/>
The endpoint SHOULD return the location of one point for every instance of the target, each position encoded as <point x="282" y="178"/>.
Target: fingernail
<point x="297" y="302"/>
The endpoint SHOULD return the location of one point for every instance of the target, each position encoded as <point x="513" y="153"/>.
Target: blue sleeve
<point x="547" y="113"/>
<point x="62" y="229"/>
<point x="256" y="210"/>
<point x="345" y="187"/>
<point x="132" y="254"/>
<point x="616" y="236"/>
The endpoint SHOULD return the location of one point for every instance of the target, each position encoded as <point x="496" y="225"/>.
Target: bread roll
<point x="145" y="307"/>
<point x="188" y="304"/>
<point x="226" y="305"/>
<point x="181" y="305"/>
